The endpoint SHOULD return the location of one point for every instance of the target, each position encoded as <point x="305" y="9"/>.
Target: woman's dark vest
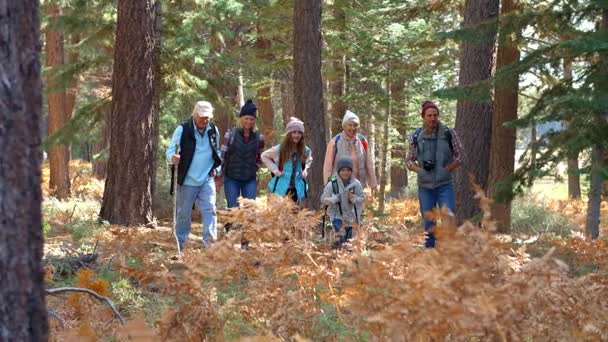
<point x="187" y="146"/>
<point x="240" y="161"/>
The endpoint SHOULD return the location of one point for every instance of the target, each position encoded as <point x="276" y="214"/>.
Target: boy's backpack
<point x="337" y="138"/>
<point x="448" y="137"/>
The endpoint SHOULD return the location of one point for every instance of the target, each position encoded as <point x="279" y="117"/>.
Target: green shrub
<point x="82" y="229"/>
<point x="127" y="296"/>
<point x="531" y="217"/>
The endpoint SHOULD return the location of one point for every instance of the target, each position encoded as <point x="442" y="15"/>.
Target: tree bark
<point x="287" y="99"/>
<point x="264" y="91"/>
<point x="599" y="151"/>
<point x="100" y="164"/>
<point x="308" y="86"/>
<point x="337" y="79"/>
<point x="502" y="153"/>
<point x="127" y="197"/>
<point x="574" y="179"/>
<point x="23" y="315"/>
<point x="398" y="147"/>
<point x="73" y="91"/>
<point x="533" y="143"/>
<point x="474" y="119"/>
<point x="592" y="226"/>
<point x="59" y="155"/>
<point x="385" y="147"/>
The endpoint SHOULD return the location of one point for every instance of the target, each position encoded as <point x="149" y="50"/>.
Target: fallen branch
<point x="92" y="293"/>
<point x="57" y="317"/>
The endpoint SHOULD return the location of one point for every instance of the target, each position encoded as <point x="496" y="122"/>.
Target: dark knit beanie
<point x="428" y="104"/>
<point x="248" y="109"/>
<point x="344" y="162"/>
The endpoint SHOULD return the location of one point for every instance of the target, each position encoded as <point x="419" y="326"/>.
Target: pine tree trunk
<point x="127" y="197"/>
<point x="592" y="226"/>
<point x="398" y="147"/>
<point x="100" y="164"/>
<point x="264" y="91"/>
<point x="502" y="154"/>
<point x="308" y="86"/>
<point x="368" y="124"/>
<point x="59" y="155"/>
<point x="23" y="315"/>
<point x="287" y="100"/>
<point x="533" y="143"/>
<point x="574" y="179"/>
<point x="599" y="152"/>
<point x="337" y="87"/>
<point x="384" y="148"/>
<point x="73" y="91"/>
<point x="474" y="119"/>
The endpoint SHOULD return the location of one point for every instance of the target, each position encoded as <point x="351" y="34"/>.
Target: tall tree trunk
<point x="385" y="147"/>
<point x="59" y="155"/>
<point x="368" y="124"/>
<point x="399" y="146"/>
<point x="592" y="226"/>
<point x="73" y="91"/>
<point x="264" y="91"/>
<point x="287" y="99"/>
<point x="127" y="197"/>
<point x="337" y="79"/>
<point x="100" y="164"/>
<point x="474" y="119"/>
<point x="533" y="145"/>
<point x="228" y="88"/>
<point x="574" y="179"/>
<point x="23" y="314"/>
<point x="308" y="85"/>
<point x="502" y="153"/>
<point x="599" y="151"/>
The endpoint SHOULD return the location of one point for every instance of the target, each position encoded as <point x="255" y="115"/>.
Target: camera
<point x="428" y="165"/>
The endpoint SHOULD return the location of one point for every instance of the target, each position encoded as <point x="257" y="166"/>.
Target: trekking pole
<point x="174" y="186"/>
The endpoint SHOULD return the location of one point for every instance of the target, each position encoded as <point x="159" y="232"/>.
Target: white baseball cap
<point x="203" y="109"/>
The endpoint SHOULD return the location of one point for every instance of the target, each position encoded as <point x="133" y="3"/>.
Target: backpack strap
<point x="448" y="137"/>
<point x="336" y="139"/>
<point x="336" y="190"/>
<point x="447" y="132"/>
<point x="361" y="137"/>
<point x="212" y="134"/>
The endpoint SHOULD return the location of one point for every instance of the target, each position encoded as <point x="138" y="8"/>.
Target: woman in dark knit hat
<point x="241" y="157"/>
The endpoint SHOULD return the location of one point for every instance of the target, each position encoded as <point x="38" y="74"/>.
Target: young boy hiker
<point x="344" y="197"/>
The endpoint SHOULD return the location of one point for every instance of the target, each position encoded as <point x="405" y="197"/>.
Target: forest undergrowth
<point x="541" y="285"/>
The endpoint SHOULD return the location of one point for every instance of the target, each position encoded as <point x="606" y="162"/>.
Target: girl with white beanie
<point x="289" y="162"/>
<point x="350" y="143"/>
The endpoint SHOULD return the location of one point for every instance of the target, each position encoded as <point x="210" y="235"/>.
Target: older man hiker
<point x="198" y="161"/>
<point x="434" y="152"/>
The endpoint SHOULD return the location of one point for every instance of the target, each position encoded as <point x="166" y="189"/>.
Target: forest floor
<point x="545" y="281"/>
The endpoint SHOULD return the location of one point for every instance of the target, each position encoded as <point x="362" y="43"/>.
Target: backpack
<point x="337" y="138"/>
<point x="336" y="190"/>
<point x="448" y="137"/>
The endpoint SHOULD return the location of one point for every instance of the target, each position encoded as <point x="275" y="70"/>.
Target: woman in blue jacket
<point x="289" y="162"/>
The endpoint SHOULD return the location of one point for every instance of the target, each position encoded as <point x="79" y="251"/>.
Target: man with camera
<point x="434" y="152"/>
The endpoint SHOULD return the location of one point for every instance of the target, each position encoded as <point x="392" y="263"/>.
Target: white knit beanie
<point x="350" y="116"/>
<point x="203" y="109"/>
